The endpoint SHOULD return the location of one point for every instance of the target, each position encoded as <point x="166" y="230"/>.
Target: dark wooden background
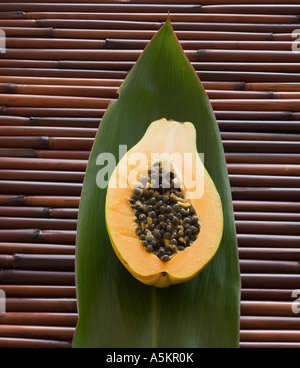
<point x="63" y="65"/>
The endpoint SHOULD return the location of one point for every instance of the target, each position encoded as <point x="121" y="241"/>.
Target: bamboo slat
<point x="268" y="308"/>
<point x="40" y="164"/>
<point x="38" y="43"/>
<point x="201" y="55"/>
<point x="12" y="14"/>
<point x="272" y="336"/>
<point x="266" y="158"/>
<point x="37" y="262"/>
<point x="85" y="91"/>
<point x="253" y="294"/>
<point x="152" y="25"/>
<point x="274" y="216"/>
<point x="64" y="64"/>
<point x="283" y="194"/>
<point x="253" y="9"/>
<point x="28" y="343"/>
<point x="111" y="43"/>
<point x="101" y="8"/>
<point x="64" y="73"/>
<point x="264" y="181"/>
<point x="42" y="188"/>
<point x="26" y="31"/>
<point x="204" y="2"/>
<point x="260" y="169"/>
<point x="263" y="281"/>
<point x="187" y="45"/>
<point x="63" y="333"/>
<point x="17" y="22"/>
<point x="148" y="34"/>
<point x="269" y="345"/>
<point x="267" y="240"/>
<point x="53" y="101"/>
<point x="259" y="266"/>
<point x="269" y="254"/>
<point x="270" y="323"/>
<point x="57" y="132"/>
<point x="128" y="13"/>
<point x="43" y="319"/>
<point x="37" y="278"/>
<point x="29" y="248"/>
<point x="44" y="142"/>
<point x="120" y="68"/>
<point x="66" y="237"/>
<point x="40" y="291"/>
<point x="54" y="112"/>
<point x="52" y="201"/>
<point x="43" y="224"/>
<point x="61" y="81"/>
<point x="59" y="90"/>
<point x="107" y="82"/>
<point x="43" y="212"/>
<point x="261" y="206"/>
<point x="259" y="126"/>
<point x="44" y="175"/>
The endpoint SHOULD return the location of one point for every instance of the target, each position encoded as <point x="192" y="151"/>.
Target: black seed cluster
<point x="166" y="223"/>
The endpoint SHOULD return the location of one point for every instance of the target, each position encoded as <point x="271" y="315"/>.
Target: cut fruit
<point x="163" y="212"/>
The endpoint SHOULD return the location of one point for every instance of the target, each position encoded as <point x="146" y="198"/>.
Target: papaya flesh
<point x="163" y="212"/>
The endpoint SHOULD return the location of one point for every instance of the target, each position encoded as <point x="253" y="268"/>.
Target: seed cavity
<point x="165" y="223"/>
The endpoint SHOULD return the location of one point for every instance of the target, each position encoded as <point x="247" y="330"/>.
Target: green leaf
<point x="116" y="310"/>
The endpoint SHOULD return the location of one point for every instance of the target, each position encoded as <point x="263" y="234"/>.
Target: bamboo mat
<point x="63" y="65"/>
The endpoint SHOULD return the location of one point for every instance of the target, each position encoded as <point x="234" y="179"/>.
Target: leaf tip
<point x="168" y="21"/>
<point x="168" y="24"/>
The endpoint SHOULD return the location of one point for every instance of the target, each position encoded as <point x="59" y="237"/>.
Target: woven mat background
<point x="63" y="65"/>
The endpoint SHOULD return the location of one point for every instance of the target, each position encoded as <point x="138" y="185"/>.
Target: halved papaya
<point x="163" y="212"/>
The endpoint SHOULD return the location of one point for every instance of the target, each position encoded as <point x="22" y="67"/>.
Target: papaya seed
<point x="166" y="223"/>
